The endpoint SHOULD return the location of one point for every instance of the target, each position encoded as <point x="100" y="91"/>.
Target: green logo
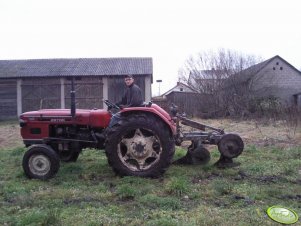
<point x="282" y="215"/>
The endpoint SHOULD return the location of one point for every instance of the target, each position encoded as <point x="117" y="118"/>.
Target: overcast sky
<point x="168" y="31"/>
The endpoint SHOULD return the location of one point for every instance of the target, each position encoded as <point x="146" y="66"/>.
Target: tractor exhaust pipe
<point x="72" y="93"/>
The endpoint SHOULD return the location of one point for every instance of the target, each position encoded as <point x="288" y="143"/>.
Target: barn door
<point x="88" y="93"/>
<point x="40" y="94"/>
<point x="8" y="99"/>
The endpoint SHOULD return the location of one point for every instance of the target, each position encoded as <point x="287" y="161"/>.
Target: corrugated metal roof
<point x="248" y="73"/>
<point x="75" y="67"/>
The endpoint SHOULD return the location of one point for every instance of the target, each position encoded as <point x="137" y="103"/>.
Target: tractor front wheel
<point x="41" y="162"/>
<point x="140" y="145"/>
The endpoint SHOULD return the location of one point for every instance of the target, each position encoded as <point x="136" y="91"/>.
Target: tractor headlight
<point x="22" y="122"/>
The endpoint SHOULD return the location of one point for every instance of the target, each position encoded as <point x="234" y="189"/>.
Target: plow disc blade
<point x="195" y="156"/>
<point x="231" y="145"/>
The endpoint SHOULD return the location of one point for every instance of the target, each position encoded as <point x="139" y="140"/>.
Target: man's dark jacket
<point x="132" y="97"/>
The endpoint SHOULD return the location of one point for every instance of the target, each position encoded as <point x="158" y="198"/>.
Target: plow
<point x="141" y="143"/>
<point x="230" y="145"/>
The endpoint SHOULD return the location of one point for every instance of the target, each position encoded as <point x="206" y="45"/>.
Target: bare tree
<point x="221" y="79"/>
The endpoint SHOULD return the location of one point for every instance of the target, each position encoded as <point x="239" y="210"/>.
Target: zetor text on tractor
<point x="141" y="143"/>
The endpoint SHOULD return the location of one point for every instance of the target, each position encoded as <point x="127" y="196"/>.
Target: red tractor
<point x="141" y="143"/>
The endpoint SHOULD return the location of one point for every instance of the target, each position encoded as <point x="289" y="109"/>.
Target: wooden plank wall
<point x="40" y="93"/>
<point x="88" y="93"/>
<point x="8" y="99"/>
<point x="194" y="105"/>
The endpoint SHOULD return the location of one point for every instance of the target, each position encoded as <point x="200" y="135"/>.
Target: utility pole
<point x="159" y="81"/>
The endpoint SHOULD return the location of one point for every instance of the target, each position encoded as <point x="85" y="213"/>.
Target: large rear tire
<point x="140" y="145"/>
<point x="40" y="162"/>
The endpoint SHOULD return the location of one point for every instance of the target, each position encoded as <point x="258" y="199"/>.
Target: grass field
<point x="89" y="193"/>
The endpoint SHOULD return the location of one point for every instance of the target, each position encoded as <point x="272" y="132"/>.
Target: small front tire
<point x="40" y="162"/>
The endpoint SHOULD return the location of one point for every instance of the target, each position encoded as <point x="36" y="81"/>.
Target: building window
<point x="181" y="89"/>
<point x="281" y="68"/>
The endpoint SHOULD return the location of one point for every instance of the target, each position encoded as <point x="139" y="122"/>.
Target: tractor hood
<point x="93" y="118"/>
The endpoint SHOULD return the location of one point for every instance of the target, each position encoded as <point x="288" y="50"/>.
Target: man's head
<point x="128" y="79"/>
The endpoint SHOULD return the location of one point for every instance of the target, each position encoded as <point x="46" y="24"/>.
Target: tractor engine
<point x="69" y="140"/>
<point x="71" y="132"/>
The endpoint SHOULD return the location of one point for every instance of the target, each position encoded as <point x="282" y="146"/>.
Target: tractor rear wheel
<point x="41" y="162"/>
<point x="140" y="145"/>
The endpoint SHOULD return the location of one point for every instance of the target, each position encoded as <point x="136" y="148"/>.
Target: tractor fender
<point x="155" y="110"/>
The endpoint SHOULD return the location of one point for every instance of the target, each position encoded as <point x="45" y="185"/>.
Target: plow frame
<point x="211" y="137"/>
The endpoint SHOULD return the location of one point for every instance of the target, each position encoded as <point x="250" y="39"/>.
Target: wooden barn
<point x="27" y="85"/>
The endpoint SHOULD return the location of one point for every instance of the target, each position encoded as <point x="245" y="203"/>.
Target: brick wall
<point x="278" y="79"/>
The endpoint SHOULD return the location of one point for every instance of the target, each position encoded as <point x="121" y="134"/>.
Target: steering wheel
<point x="111" y="105"/>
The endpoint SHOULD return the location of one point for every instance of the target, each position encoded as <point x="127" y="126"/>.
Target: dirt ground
<point x="10" y="135"/>
<point x="258" y="133"/>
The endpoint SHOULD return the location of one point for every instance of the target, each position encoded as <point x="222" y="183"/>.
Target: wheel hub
<point x="39" y="164"/>
<point x="138" y="148"/>
<point x="139" y="151"/>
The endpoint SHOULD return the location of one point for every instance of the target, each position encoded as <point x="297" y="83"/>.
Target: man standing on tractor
<point x="132" y="98"/>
